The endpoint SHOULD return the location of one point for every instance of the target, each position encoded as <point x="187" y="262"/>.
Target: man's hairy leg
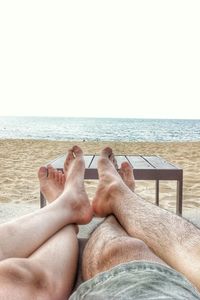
<point x="173" y="239"/>
<point x="110" y="245"/>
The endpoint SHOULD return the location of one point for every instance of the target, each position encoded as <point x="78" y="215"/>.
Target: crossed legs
<point x="38" y="252"/>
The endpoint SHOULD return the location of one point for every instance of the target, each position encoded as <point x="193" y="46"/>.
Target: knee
<point x="27" y="276"/>
<point x="126" y="247"/>
<point x="120" y="249"/>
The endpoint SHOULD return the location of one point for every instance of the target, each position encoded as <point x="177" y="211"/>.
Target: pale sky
<point x="100" y="58"/>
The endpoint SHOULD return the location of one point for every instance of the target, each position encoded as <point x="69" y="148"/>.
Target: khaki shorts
<point x="137" y="280"/>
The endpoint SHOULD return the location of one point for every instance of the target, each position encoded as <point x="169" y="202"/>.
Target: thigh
<point x="138" y="280"/>
<point x="21" y="279"/>
<point x="109" y="245"/>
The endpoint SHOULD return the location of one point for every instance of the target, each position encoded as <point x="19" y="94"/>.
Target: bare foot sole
<point x="74" y="194"/>
<point x="111" y="184"/>
<point x="51" y="182"/>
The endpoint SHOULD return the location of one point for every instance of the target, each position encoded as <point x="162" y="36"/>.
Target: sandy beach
<point x="20" y="160"/>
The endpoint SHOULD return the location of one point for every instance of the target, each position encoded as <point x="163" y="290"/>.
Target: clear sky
<point x="100" y="58"/>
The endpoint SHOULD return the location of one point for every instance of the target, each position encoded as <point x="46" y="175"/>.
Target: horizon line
<point x="99" y="117"/>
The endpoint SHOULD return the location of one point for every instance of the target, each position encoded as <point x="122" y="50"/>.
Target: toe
<point x="125" y="165"/>
<point x="63" y="179"/>
<point x="56" y="175"/>
<point x="70" y="155"/>
<point x="42" y="173"/>
<point x="127" y="169"/>
<point x="106" y="152"/>
<point x="121" y="171"/>
<point x="129" y="172"/>
<point x="113" y="160"/>
<point x="50" y="172"/>
<point x="60" y="177"/>
<point x="68" y="159"/>
<point x="128" y="176"/>
<point x="77" y="151"/>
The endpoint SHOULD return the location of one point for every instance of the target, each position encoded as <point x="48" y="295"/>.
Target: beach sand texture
<point x="20" y="160"/>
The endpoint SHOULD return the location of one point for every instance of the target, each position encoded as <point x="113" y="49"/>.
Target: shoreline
<point x="100" y="141"/>
<point x="20" y="160"/>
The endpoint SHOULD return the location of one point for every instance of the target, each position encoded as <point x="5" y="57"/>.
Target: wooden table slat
<point x="59" y="162"/>
<point x="119" y="158"/>
<point x="159" y="163"/>
<point x="138" y="162"/>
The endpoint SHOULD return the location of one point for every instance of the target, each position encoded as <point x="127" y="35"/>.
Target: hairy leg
<point x="110" y="245"/>
<point x="173" y="239"/>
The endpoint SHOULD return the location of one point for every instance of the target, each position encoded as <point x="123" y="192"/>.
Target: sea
<point x="99" y="129"/>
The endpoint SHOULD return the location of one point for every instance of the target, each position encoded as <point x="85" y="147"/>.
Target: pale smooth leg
<point x="46" y="268"/>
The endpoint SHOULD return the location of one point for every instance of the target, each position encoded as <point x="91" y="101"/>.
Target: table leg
<point x="42" y="200"/>
<point x="157" y="192"/>
<point x="179" y="197"/>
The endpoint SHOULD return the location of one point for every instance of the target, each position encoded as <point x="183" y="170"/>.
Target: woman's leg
<point x="48" y="273"/>
<point x="21" y="237"/>
<point x="49" y="267"/>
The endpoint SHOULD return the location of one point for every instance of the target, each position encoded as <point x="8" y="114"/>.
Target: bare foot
<point x="51" y="182"/>
<point x="111" y="185"/>
<point x="74" y="196"/>
<point x="126" y="173"/>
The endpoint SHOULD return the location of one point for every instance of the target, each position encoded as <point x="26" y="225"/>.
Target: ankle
<point x="118" y="190"/>
<point x="123" y="192"/>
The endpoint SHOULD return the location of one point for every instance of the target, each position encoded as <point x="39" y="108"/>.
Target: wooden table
<point x="145" y="168"/>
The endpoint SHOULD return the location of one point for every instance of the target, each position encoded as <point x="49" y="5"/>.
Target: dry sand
<point x="20" y="159"/>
